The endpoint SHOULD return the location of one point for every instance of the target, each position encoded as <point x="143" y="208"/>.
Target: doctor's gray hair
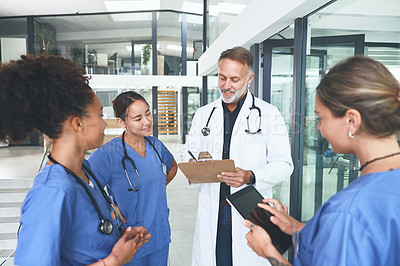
<point x="123" y="101"/>
<point x="239" y="54"/>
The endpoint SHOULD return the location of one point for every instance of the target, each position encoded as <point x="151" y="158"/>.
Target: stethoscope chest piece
<point x="106" y="227"/>
<point x="205" y="131"/>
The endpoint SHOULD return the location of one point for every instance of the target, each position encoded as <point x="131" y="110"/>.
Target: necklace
<point x="379" y="158"/>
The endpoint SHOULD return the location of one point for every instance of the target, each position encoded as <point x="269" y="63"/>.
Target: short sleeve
<point x="340" y="239"/>
<point x="40" y="240"/>
<point x="164" y="153"/>
<point x="100" y="163"/>
<point x="166" y="156"/>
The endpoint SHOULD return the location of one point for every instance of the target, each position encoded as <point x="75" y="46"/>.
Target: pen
<point x="191" y="154"/>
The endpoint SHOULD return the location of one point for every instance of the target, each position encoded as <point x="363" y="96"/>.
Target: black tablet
<point x="245" y="202"/>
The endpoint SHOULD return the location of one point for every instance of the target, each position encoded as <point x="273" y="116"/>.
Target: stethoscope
<point x="164" y="167"/>
<point x="206" y="130"/>
<point x="105" y="226"/>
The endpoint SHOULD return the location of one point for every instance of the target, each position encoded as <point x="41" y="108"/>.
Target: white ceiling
<point x="44" y="7"/>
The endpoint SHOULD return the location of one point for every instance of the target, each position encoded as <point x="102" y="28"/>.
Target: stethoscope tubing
<point x="126" y="156"/>
<point x="206" y="130"/>
<point x="105" y="226"/>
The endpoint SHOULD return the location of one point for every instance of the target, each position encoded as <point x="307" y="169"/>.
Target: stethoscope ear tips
<point x="205" y="131"/>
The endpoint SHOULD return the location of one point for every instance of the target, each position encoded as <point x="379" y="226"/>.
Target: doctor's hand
<point x="235" y="179"/>
<point x="127" y="246"/>
<point x="280" y="217"/>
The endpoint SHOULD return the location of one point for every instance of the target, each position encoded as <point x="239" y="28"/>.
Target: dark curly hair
<point x="41" y="93"/>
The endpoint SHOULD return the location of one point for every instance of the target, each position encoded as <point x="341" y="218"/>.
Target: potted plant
<point x="45" y="37"/>
<point x="146" y="52"/>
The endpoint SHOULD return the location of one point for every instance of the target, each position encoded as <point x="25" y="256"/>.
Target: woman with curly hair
<point x="358" y="105"/>
<point x="66" y="216"/>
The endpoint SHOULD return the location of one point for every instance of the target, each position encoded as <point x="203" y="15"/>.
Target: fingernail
<point x="129" y="228"/>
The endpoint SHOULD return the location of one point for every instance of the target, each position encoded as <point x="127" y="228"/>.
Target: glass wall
<point x="13" y="38"/>
<point x="278" y="58"/>
<point x="101" y="44"/>
<point x="221" y="14"/>
<point x="107" y="96"/>
<point x="338" y="31"/>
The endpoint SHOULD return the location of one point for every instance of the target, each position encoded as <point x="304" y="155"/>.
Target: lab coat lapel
<point x="217" y="129"/>
<point x="244" y="112"/>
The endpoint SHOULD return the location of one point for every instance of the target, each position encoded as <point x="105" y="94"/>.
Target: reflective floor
<point x="19" y="165"/>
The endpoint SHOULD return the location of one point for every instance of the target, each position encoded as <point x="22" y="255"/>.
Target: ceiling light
<point x="191" y="7"/>
<point x="213" y="10"/>
<point x="146" y="16"/>
<point x="230" y="8"/>
<point x="113" y="6"/>
<point x="179" y="48"/>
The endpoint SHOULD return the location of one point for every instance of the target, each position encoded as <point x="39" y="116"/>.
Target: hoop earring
<point x="351" y="135"/>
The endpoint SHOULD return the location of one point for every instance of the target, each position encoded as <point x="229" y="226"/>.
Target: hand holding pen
<point x="191" y="154"/>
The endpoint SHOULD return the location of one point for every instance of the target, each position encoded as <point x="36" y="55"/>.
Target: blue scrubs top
<point x="360" y="225"/>
<point x="59" y="223"/>
<point x="147" y="206"/>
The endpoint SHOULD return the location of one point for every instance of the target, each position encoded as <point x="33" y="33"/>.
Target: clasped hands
<point x="126" y="247"/>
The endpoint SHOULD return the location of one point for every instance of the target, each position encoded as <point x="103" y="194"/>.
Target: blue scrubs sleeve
<point x="39" y="240"/>
<point x="166" y="156"/>
<point x="100" y="163"/>
<point x="338" y="239"/>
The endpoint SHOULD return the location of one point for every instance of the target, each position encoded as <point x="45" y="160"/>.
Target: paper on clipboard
<point x="206" y="171"/>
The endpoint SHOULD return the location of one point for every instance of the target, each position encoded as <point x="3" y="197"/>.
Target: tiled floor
<point x="22" y="162"/>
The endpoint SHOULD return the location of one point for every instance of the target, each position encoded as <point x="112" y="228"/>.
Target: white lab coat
<point x="267" y="154"/>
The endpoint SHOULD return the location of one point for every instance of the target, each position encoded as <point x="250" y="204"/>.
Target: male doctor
<point x="253" y="133"/>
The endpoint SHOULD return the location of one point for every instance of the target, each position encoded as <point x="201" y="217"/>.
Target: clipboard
<point x="206" y="171"/>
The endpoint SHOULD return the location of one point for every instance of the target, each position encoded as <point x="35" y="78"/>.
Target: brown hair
<point x="123" y="101"/>
<point x="366" y="85"/>
<point x="240" y="54"/>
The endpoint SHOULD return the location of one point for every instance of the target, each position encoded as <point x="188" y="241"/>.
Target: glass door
<point x="278" y="90"/>
<point x="324" y="172"/>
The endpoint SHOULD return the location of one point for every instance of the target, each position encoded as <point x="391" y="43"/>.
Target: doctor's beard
<point x="237" y="94"/>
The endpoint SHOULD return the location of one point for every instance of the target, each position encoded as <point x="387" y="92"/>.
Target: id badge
<point x="164" y="169"/>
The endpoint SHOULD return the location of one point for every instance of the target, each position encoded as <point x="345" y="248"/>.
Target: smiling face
<point x="139" y="120"/>
<point x="333" y="128"/>
<point x="233" y="80"/>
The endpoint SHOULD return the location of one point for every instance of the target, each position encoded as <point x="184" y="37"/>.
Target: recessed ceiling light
<point x="113" y="6"/>
<point x="179" y="48"/>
